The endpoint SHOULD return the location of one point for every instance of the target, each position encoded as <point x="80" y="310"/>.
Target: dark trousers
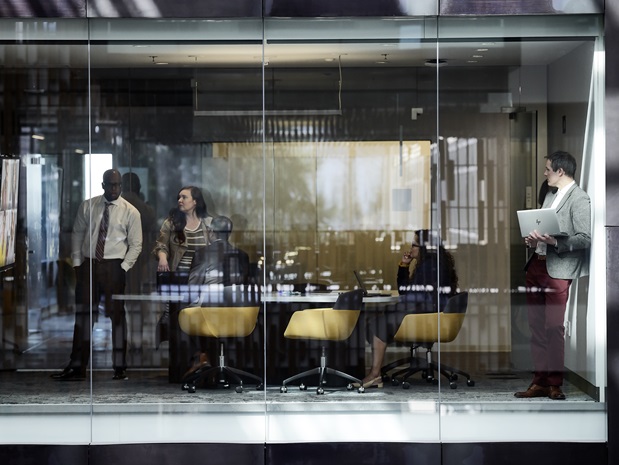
<point x="546" y="301"/>
<point x="107" y="279"/>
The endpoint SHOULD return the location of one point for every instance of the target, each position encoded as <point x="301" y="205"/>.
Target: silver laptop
<point x="544" y="220"/>
<point x="364" y="288"/>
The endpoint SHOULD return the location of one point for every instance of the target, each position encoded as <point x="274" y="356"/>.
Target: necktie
<point x="105" y="221"/>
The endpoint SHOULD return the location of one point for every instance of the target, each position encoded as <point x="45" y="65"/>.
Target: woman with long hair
<point x="183" y="232"/>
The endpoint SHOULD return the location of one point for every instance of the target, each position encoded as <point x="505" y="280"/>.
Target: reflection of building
<point x="324" y="194"/>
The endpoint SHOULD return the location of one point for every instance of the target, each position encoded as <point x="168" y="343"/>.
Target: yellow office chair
<point x="326" y="324"/>
<point x="234" y="318"/>
<point x="423" y="330"/>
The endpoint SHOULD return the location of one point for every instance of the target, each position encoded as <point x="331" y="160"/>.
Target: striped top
<point x="194" y="240"/>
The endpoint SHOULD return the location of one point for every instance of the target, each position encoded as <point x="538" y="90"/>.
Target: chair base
<point x="322" y="371"/>
<point x="427" y="368"/>
<point x="225" y="373"/>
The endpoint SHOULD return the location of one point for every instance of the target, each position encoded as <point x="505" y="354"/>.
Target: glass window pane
<point x="351" y="127"/>
<point x="161" y="96"/>
<point x="44" y="130"/>
<point x="505" y="102"/>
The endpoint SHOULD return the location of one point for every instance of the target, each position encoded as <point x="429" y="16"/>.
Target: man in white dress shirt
<point x="105" y="243"/>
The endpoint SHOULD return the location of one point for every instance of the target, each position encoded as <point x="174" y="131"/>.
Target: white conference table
<point x="267" y="297"/>
<point x="323" y="297"/>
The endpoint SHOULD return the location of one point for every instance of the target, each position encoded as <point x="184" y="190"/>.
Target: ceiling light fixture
<point x="157" y="62"/>
<point x="384" y="60"/>
<point x="436" y="62"/>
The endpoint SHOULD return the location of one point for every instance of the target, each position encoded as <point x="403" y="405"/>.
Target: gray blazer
<point x="570" y="258"/>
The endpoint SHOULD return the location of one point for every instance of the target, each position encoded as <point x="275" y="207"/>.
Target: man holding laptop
<point x="558" y="259"/>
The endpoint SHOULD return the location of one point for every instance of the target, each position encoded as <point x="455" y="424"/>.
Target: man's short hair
<point x="221" y="224"/>
<point x="563" y="160"/>
<point x="131" y="182"/>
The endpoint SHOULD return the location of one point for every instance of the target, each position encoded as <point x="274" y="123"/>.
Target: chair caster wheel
<point x="320" y="390"/>
<point x="361" y="390"/>
<point x="302" y="387"/>
<point x="406" y="385"/>
<point x="470" y="382"/>
<point x="238" y="389"/>
<point x="434" y="381"/>
<point x="349" y="387"/>
<point x="191" y="389"/>
<point x="395" y="382"/>
<point x="283" y="389"/>
<point x="260" y="387"/>
<point x="185" y="386"/>
<point x="453" y="385"/>
<point x="429" y="379"/>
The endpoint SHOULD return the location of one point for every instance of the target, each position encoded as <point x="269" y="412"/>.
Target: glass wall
<point x="385" y="154"/>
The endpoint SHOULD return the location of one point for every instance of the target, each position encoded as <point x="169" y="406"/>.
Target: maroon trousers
<point x="546" y="301"/>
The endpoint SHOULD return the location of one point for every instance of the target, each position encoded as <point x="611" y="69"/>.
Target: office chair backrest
<point x="457" y="303"/>
<point x="334" y="323"/>
<point x="351" y="300"/>
<point x="218" y="321"/>
<point x="224" y="311"/>
<point x="424" y="327"/>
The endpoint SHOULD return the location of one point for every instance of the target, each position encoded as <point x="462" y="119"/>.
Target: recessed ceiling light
<point x="482" y="49"/>
<point x="478" y="56"/>
<point x="329" y="59"/>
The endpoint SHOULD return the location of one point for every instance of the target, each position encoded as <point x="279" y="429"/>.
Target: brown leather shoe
<point x="534" y="390"/>
<point x="200" y="362"/>
<point x="556" y="393"/>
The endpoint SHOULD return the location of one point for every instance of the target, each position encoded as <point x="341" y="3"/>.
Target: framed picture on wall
<point x="8" y="210"/>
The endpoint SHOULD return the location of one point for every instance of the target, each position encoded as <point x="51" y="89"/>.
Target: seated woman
<point x="418" y="272"/>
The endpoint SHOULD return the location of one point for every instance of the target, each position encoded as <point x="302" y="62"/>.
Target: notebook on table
<point x="543" y="220"/>
<point x="367" y="293"/>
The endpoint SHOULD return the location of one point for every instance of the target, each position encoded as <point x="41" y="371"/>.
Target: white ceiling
<point x="115" y="55"/>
